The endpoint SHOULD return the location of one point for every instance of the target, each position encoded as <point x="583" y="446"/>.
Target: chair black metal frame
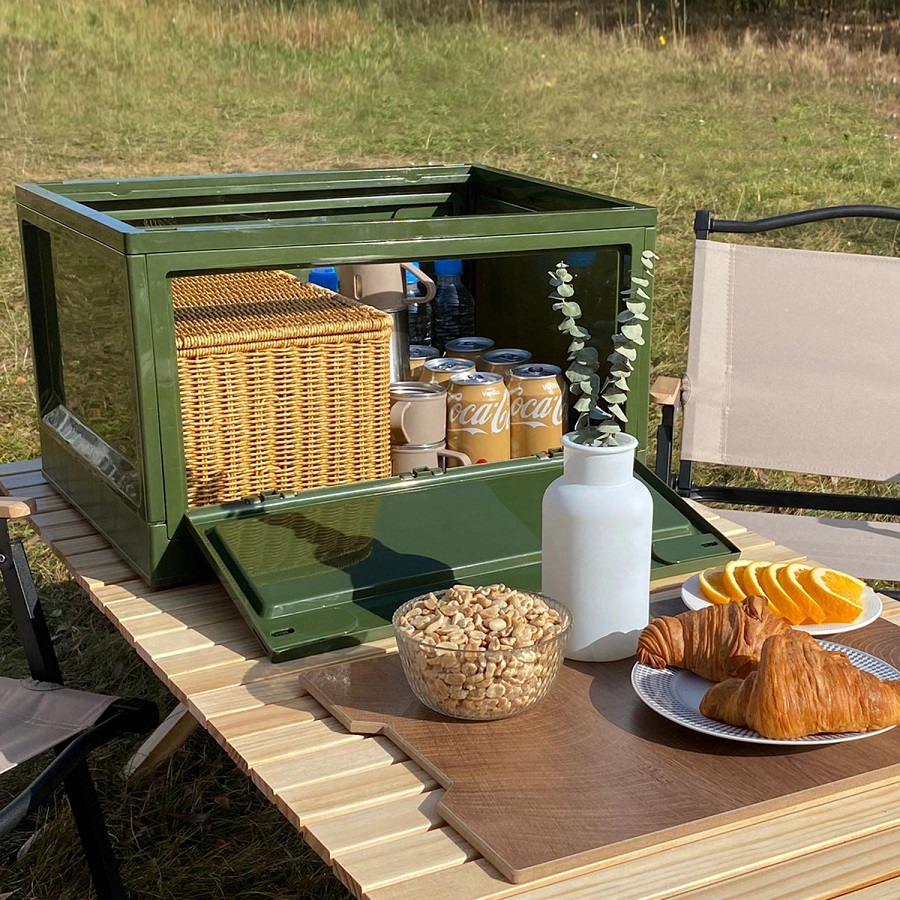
<point x="704" y="225"/>
<point x="69" y="767"/>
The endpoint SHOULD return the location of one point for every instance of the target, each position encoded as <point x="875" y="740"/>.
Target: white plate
<point x="676" y="694"/>
<point x="693" y="598"/>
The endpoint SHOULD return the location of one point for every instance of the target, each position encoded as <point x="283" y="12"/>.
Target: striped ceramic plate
<point x="676" y="694"/>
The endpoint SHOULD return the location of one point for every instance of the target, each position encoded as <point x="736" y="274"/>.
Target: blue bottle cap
<point x="325" y="276"/>
<point x="410" y="278"/>
<point x="581" y="259"/>
<point x="448" y="267"/>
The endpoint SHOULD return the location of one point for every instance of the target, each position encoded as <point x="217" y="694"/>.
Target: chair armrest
<point x="666" y="391"/>
<point x="16" y="507"/>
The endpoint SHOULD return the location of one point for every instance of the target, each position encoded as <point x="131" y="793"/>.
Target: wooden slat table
<point x="372" y="814"/>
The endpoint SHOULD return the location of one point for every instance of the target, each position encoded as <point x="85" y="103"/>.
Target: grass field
<point x="743" y="125"/>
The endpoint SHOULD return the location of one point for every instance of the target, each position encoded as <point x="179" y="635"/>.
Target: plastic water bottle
<point x="325" y="276"/>
<point x="454" y="305"/>
<point x="420" y="315"/>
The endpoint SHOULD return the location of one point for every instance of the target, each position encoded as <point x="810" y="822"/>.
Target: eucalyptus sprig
<point x="602" y="401"/>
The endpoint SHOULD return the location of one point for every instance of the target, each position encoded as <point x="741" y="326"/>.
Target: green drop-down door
<point x="327" y="568"/>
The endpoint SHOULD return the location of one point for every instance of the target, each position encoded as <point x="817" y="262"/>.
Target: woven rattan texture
<point x="284" y="385"/>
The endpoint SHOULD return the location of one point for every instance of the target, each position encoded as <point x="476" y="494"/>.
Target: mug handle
<point x="455" y="454"/>
<point x="430" y="289"/>
<point x="398" y="418"/>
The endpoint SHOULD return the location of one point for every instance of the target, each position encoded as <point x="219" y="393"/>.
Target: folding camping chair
<point x="40" y="714"/>
<point x="793" y="366"/>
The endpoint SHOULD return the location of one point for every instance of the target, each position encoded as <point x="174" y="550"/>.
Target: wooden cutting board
<point x="591" y="774"/>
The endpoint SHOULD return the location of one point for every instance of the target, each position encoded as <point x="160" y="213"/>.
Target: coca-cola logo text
<point x="476" y="418"/>
<point x="536" y="412"/>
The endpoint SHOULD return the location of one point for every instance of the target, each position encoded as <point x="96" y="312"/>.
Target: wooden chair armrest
<point x="666" y="390"/>
<point x="16" y="507"/>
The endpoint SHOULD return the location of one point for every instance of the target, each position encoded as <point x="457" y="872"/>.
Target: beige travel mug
<point x="418" y="413"/>
<point x="427" y="456"/>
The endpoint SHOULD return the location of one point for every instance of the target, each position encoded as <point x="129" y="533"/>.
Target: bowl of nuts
<point x="481" y="652"/>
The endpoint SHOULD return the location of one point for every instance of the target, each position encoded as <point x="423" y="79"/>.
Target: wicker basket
<point x="284" y="385"/>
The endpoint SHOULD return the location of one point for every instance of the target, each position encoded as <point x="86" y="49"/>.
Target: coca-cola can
<point x="468" y="348"/>
<point x="537" y="396"/>
<point x="418" y="353"/>
<point x="478" y="416"/>
<point x="440" y="371"/>
<point x="503" y="361"/>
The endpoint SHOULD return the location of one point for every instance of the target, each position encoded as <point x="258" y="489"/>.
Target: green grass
<point x="159" y="87"/>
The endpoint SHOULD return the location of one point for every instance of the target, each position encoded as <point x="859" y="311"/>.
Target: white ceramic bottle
<point x="597" y="523"/>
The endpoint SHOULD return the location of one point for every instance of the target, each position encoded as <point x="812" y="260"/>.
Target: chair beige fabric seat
<point x="869" y="550"/>
<point x="36" y="715"/>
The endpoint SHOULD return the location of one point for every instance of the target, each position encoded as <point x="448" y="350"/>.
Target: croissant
<point x="801" y="689"/>
<point x="716" y="642"/>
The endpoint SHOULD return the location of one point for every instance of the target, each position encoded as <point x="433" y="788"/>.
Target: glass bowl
<point x="481" y="684"/>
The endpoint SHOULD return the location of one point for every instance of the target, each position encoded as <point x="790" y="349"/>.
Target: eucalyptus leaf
<point x="636" y="306"/>
<point x="614" y="396"/>
<point x="643" y="282"/>
<point x="578" y="332"/>
<point x="621" y="383"/>
<point x="575" y="348"/>
<point x="649" y="254"/>
<point x="648" y="264"/>
<point x="628" y="352"/>
<point x="583" y="404"/>
<point x="609" y="428"/>
<point x="582" y="422"/>
<point x="600" y="414"/>
<point x="564" y="275"/>
<point x="571" y="308"/>
<point x="640" y="292"/>
<point x="573" y="375"/>
<point x="632" y="332"/>
<point x="588" y="356"/>
<point x="620" y="340"/>
<point x="594" y="385"/>
<point x="558" y="306"/>
<point x="566" y="325"/>
<point x="565" y="290"/>
<point x="575" y="388"/>
<point x="616" y="410"/>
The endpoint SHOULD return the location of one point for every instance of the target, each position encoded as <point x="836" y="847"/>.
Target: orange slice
<point x="789" y="579"/>
<point x="749" y="578"/>
<point x="712" y="583"/>
<point x="731" y="578"/>
<point x="839" y="595"/>
<point x="778" y="596"/>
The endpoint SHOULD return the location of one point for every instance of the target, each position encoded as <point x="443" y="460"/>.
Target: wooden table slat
<point x="376" y="825"/>
<point x="294" y="740"/>
<point x="269" y="718"/>
<point x="414" y="855"/>
<point x="359" y="790"/>
<point x="287" y="775"/>
<point x="236" y="699"/>
<point x="884" y="890"/>
<point x="815" y="876"/>
<point x="18" y="467"/>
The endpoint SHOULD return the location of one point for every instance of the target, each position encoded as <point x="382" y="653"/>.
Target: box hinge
<point x="423" y="472"/>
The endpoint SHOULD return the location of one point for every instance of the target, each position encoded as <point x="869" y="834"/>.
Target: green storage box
<point x="99" y="260"/>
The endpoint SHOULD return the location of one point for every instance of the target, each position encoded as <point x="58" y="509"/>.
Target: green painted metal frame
<point x="160" y="227"/>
